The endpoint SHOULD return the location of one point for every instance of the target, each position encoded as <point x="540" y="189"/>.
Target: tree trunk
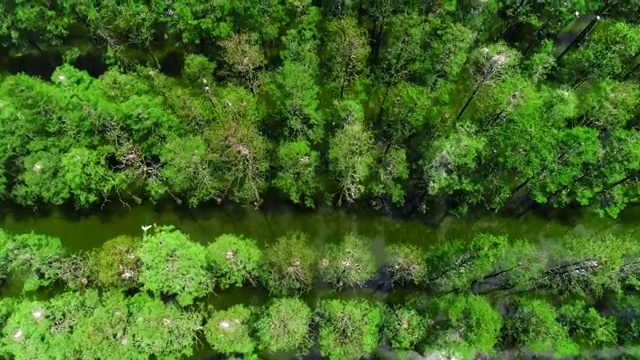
<point x="616" y="183"/>
<point x="155" y="59"/>
<point x="466" y="105"/>
<point x="578" y="38"/>
<point x="519" y="187"/>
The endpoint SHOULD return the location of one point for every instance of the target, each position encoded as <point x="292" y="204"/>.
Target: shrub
<point x="348" y="328"/>
<point x="234" y="259"/>
<point x="290" y="265"/>
<point x="118" y="263"/>
<point x="403" y="327"/>
<point x="284" y="326"/>
<point x="350" y="263"/>
<point x="406" y="263"/>
<point x="173" y="264"/>
<point x="229" y="331"/>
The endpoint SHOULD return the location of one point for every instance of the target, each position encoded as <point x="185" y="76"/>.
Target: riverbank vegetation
<point x="146" y="295"/>
<point x="494" y="104"/>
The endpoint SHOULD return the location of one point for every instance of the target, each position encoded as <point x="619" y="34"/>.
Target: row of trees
<point x="390" y="102"/>
<point x="165" y="262"/>
<point x="109" y="325"/>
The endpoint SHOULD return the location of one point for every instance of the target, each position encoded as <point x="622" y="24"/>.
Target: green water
<point x="84" y="232"/>
<point x="89" y="231"/>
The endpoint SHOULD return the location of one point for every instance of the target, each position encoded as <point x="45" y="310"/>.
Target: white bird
<point x="145" y="227"/>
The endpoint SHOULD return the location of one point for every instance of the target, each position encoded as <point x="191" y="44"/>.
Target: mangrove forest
<point x="319" y="179"/>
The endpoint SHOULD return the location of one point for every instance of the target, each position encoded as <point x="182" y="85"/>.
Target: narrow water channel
<point x="89" y="231"/>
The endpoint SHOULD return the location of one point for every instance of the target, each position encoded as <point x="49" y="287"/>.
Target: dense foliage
<point x="501" y="105"/>
<point x="136" y="297"/>
<point x="497" y="104"/>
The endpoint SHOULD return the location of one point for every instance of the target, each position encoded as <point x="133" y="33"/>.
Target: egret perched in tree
<point x="146" y="227"/>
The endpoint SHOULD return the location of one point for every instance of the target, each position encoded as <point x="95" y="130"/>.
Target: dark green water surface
<point x="88" y="231"/>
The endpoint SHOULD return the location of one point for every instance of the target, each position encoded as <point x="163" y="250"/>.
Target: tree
<point x="464" y="325"/>
<point x="199" y="23"/>
<point x="116" y="29"/>
<point x="534" y="326"/>
<point x="164" y="331"/>
<point x="607" y="53"/>
<point x="87" y="175"/>
<point x="575" y="148"/>
<point x="447" y="52"/>
<point x="608" y="104"/>
<point x="279" y="331"/>
<point x="351" y="154"/>
<point x="348" y="328"/>
<point x="587" y="326"/>
<point x="188" y="169"/>
<point x="345" y="53"/>
<point x="26" y="329"/>
<point x="294" y="94"/>
<point x="409" y="112"/>
<point x="541" y="62"/>
<point x="519" y="268"/>
<point x="266" y="18"/>
<point x="506" y="113"/>
<point x="172" y="264"/>
<point x="234" y="260"/>
<point x="388" y="176"/>
<point x="243" y="58"/>
<point x="34" y="25"/>
<point x="117" y="262"/>
<point x="543" y="21"/>
<point x="290" y="265"/>
<point x="402" y="51"/>
<point x="297" y="165"/>
<point x="456" y="263"/>
<point x="586" y="267"/>
<point x="77" y="271"/>
<point x="487" y="66"/>
<point x="403" y="327"/>
<point x="406" y="264"/>
<point x="301" y="42"/>
<point x="628" y="326"/>
<point x="197" y="69"/>
<point x="349" y="263"/>
<point x="40" y="180"/>
<point x="228" y="331"/>
<point x="36" y="259"/>
<point x="480" y="17"/>
<point x="35" y="328"/>
<point x="106" y="331"/>
<point x="238" y="150"/>
<point x="448" y="164"/>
